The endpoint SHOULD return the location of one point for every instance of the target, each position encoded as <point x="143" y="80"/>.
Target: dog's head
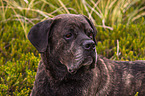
<point x="68" y="37"/>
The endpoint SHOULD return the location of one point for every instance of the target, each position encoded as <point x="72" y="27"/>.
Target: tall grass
<point x="103" y="13"/>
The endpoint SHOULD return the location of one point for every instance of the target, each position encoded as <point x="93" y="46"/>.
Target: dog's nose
<point x="89" y="45"/>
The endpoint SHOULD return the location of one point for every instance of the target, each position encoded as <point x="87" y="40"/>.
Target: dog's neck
<point x="58" y="76"/>
<point x="53" y="67"/>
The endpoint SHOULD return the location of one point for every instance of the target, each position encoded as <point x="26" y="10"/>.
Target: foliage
<point x="120" y="24"/>
<point x="17" y="76"/>
<point x="17" y="62"/>
<point x="123" y="43"/>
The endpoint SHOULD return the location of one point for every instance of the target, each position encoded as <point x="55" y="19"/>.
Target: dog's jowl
<point x="70" y="66"/>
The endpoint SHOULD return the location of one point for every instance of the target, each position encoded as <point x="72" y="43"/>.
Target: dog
<point x="70" y="65"/>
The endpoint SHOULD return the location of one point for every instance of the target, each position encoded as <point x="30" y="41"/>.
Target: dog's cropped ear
<point x="94" y="28"/>
<point x="39" y="34"/>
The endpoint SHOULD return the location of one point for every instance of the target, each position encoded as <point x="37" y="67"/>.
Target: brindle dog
<point x="70" y="66"/>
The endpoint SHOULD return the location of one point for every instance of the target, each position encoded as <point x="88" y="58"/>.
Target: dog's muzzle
<point x="88" y="55"/>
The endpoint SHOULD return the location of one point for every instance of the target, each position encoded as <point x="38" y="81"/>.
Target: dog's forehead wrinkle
<point x="75" y="25"/>
<point x="73" y="20"/>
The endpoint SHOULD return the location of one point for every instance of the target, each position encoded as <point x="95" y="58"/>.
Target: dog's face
<point x="69" y="38"/>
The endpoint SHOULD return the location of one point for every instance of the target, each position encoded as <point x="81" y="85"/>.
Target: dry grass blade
<point x="93" y="10"/>
<point x="84" y="3"/>
<point x="45" y="14"/>
<point x="87" y="10"/>
<point x="129" y="4"/>
<point x="21" y="23"/>
<point x="4" y="10"/>
<point x="95" y="5"/>
<point x="118" y="49"/>
<point x="31" y="4"/>
<point x="52" y="6"/>
<point x="138" y="16"/>
<point x="25" y="19"/>
<point x="79" y="6"/>
<point x="104" y="26"/>
<point x="64" y="6"/>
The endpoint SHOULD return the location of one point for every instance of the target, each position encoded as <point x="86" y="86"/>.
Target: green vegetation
<point x="120" y="25"/>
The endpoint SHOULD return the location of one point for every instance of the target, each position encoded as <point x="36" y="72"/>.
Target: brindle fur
<point x="63" y="71"/>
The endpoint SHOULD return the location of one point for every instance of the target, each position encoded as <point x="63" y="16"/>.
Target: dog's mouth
<point x="85" y="62"/>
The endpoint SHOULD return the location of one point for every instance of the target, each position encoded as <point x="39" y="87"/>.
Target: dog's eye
<point x="68" y="36"/>
<point x="90" y="35"/>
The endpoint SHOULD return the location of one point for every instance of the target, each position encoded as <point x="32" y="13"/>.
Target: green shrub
<point x="18" y="61"/>
<point x="17" y="76"/>
<point x="131" y="42"/>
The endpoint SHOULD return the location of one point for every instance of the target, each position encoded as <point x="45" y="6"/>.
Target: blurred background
<point x="120" y="25"/>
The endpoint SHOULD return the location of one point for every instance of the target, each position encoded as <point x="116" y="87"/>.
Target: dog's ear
<point x="39" y="35"/>
<point x="94" y="28"/>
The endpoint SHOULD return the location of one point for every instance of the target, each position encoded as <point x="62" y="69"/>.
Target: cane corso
<point x="70" y="65"/>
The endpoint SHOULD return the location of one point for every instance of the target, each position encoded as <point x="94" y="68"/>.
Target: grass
<point x="120" y="25"/>
<point x="102" y="12"/>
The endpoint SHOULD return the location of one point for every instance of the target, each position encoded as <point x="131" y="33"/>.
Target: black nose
<point x="89" y="45"/>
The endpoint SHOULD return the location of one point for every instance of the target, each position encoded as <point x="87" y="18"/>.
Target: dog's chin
<point x="86" y="62"/>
